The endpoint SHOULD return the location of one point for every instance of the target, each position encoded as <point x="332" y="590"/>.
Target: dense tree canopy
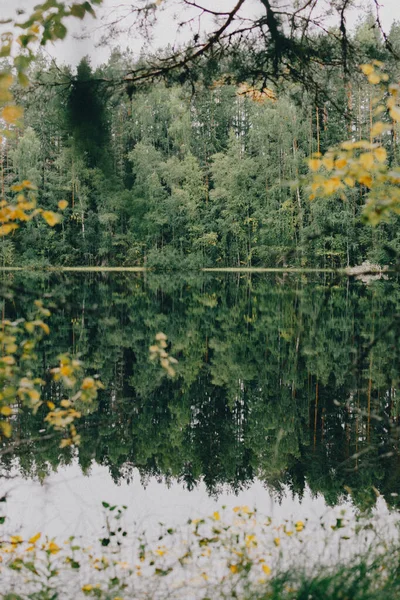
<point x="164" y="177"/>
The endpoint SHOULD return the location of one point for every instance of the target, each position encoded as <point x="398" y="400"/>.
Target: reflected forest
<point x="285" y="378"/>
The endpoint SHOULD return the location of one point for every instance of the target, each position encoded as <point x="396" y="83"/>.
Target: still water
<point x="285" y="397"/>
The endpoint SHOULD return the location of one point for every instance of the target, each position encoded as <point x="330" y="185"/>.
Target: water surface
<point x="285" y="396"/>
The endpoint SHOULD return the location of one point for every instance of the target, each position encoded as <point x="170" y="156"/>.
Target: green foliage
<point x="170" y="180"/>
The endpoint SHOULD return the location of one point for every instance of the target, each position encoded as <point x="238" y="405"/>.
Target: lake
<point x="285" y="398"/>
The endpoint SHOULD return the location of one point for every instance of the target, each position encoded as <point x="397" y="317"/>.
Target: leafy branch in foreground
<point x="364" y="163"/>
<point x="19" y="339"/>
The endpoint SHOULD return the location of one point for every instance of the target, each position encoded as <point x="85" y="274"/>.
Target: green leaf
<point x="21" y="63"/>
<point x="5" y="50"/>
<point x="78" y="10"/>
<point x="89" y="8"/>
<point x="23" y="80"/>
<point x="60" y="31"/>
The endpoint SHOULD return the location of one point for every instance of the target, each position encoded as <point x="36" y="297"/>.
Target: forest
<point x="168" y="176"/>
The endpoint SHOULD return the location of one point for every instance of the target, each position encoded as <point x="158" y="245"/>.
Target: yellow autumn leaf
<point x="65" y="442"/>
<point x="88" y="383"/>
<point x="314" y="164"/>
<point x="7" y="228"/>
<point x="380" y="154"/>
<point x="66" y="370"/>
<point x="340" y="163"/>
<point x="51" y="405"/>
<point x="216" y="516"/>
<point x="299" y="525"/>
<point x="6" y="411"/>
<point x="233" y="568"/>
<point x="53" y="548"/>
<point x="374" y="78"/>
<point x="328" y="163"/>
<point x="266" y="569"/>
<point x="366" y="160"/>
<point x="35" y="538"/>
<point x="6" y="428"/>
<point x="44" y="326"/>
<point x="11" y="114"/>
<point x="62" y="205"/>
<point x="16" y="539"/>
<point x="9" y="360"/>
<point x="378" y="128"/>
<point x="395" y="113"/>
<point x="33" y="395"/>
<point x="365" y="180"/>
<point x="367" y="69"/>
<point x="51" y="218"/>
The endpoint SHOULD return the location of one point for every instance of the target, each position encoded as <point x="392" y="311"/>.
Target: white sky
<point x="71" y="50"/>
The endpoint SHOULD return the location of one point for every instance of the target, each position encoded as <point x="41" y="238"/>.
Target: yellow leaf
<point x="51" y="218"/>
<point x="6" y="411"/>
<point x="266" y="569"/>
<point x="16" y="539"/>
<point x="88" y="383"/>
<point x="378" y="128"/>
<point x="366" y="160"/>
<point x="380" y="154"/>
<point x="44" y="326"/>
<point x="7" y="228"/>
<point x="66" y="370"/>
<point x="65" y="403"/>
<point x="367" y="69"/>
<point x="365" y="180"/>
<point x="374" y="78"/>
<point x="314" y="164"/>
<point x="35" y="538"/>
<point x="51" y="405"/>
<point x="395" y="113"/>
<point x="9" y="360"/>
<point x="340" y="163"/>
<point x="53" y="548"/>
<point x="277" y="541"/>
<point x="349" y="181"/>
<point x="33" y="395"/>
<point x="62" y="205"/>
<point x="66" y="442"/>
<point x="233" y="569"/>
<point x="6" y="428"/>
<point x="11" y="114"/>
<point x="299" y="525"/>
<point x="216" y="516"/>
<point x="6" y="80"/>
<point x="328" y="163"/>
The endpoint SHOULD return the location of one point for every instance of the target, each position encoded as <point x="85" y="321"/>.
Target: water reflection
<point x="290" y="380"/>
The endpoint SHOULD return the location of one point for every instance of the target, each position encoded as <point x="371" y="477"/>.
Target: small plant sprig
<point x="159" y="353"/>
